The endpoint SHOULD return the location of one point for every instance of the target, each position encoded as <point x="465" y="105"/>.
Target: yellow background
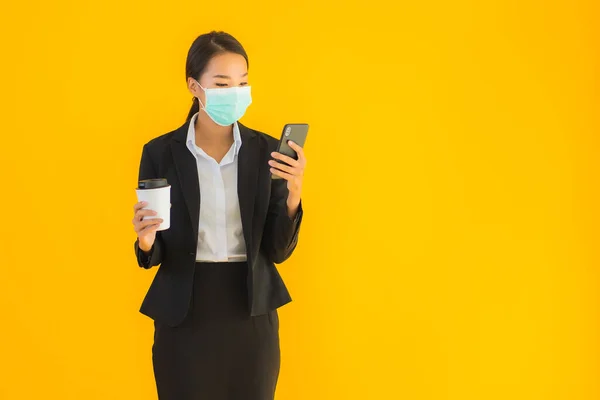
<point x="450" y="246"/>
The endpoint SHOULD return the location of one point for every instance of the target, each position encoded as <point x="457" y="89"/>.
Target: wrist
<point x="292" y="206"/>
<point x="145" y="247"/>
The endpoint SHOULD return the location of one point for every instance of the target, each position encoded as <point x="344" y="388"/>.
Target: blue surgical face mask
<point x="226" y="105"/>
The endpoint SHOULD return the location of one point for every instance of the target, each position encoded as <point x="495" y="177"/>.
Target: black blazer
<point x="270" y="234"/>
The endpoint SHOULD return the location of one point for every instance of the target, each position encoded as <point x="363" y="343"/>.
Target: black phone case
<point x="296" y="133"/>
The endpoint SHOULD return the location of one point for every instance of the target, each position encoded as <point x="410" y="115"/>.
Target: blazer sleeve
<point x="155" y="256"/>
<point x="280" y="235"/>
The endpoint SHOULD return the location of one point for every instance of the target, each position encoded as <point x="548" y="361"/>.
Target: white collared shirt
<point x="220" y="235"/>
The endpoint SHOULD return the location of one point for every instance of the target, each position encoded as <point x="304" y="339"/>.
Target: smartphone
<point x="296" y="133"/>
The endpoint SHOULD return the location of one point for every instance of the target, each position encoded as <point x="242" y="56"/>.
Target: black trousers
<point x="219" y="352"/>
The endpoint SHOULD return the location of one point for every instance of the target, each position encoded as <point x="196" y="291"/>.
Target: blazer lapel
<point x="248" y="165"/>
<point x="187" y="172"/>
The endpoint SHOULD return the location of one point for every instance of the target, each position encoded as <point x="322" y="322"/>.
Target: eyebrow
<point x="227" y="76"/>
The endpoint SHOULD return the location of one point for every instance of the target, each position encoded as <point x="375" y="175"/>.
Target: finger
<point x="145" y="213"/>
<point x="285" y="168"/>
<point x="281" y="174"/>
<point x="140" y="205"/>
<point x="148" y="229"/>
<point x="150" y="221"/>
<point x="299" y="150"/>
<point x="147" y="222"/>
<point x="288" y="160"/>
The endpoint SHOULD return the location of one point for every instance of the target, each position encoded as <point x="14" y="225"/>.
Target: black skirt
<point x="219" y="352"/>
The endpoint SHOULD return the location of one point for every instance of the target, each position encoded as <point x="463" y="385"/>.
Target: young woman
<point x="215" y="296"/>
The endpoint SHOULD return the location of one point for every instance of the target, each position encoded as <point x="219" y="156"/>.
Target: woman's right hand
<point x="145" y="229"/>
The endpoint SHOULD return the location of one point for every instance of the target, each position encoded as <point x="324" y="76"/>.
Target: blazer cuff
<point x="293" y="224"/>
<point x="144" y="259"/>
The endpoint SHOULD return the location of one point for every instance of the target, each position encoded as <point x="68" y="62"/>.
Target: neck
<point x="207" y="132"/>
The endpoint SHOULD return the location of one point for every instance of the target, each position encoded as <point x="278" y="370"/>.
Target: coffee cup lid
<point x="152" y="183"/>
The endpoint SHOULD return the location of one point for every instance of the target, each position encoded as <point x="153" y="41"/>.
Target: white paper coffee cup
<point x="159" y="200"/>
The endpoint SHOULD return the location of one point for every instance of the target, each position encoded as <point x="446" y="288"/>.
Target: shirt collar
<point x="191" y="136"/>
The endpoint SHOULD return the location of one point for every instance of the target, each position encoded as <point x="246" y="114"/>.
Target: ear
<point x="194" y="88"/>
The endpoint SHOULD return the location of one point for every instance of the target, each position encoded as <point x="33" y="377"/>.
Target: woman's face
<point x="223" y="70"/>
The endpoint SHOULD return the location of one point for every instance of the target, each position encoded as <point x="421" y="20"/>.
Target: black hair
<point x="204" y="48"/>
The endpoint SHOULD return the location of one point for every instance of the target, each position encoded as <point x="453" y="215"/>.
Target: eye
<point x="221" y="84"/>
<point x="244" y="84"/>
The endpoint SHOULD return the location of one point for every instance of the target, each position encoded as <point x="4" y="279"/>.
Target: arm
<point x="152" y="257"/>
<point x="280" y="235"/>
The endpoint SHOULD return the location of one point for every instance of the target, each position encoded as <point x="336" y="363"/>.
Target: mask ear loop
<point x="203" y="107"/>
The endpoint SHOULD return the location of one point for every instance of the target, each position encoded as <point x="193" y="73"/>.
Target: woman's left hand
<point x="293" y="173"/>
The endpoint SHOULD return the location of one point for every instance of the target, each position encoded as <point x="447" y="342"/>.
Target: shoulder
<point x="159" y="144"/>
